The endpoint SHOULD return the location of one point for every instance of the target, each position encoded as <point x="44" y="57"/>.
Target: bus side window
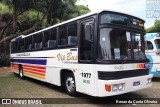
<point x="62" y="36"/>
<point x="52" y="39"/>
<point x="14" y="46"/>
<point x="34" y="41"/>
<point x="149" y="45"/>
<point x="21" y="45"/>
<point x="37" y="41"/>
<point x="72" y="34"/>
<point x="28" y="43"/>
<point x="45" y="39"/>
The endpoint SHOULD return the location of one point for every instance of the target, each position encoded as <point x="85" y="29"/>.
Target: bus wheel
<point x="70" y="85"/>
<point x="21" y="72"/>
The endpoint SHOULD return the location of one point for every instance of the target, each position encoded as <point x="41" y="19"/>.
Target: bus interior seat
<point x="51" y="43"/>
<point x="34" y="46"/>
<point x="22" y="48"/>
<point x="63" y="41"/>
<point x="38" y="45"/>
<point x="72" y="40"/>
<point x="45" y="45"/>
<point x="29" y="47"/>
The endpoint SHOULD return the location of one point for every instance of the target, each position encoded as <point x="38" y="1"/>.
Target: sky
<point x="135" y="7"/>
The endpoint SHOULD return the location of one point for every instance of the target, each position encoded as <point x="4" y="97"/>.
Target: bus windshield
<point x="157" y="42"/>
<point x="120" y="44"/>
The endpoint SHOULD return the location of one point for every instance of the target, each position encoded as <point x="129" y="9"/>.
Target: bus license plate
<point x="136" y="83"/>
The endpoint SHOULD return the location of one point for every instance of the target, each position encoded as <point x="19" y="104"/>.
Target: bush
<point x="4" y="61"/>
<point x="5" y="55"/>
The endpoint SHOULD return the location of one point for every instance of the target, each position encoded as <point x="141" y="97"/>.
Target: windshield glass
<point x="119" y="44"/>
<point x="157" y="42"/>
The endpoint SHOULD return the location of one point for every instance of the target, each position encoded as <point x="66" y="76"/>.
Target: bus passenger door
<point x="86" y="41"/>
<point x="86" y="68"/>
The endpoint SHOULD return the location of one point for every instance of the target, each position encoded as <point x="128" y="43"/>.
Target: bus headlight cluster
<point x="149" y="81"/>
<point x="115" y="87"/>
<point x="118" y="87"/>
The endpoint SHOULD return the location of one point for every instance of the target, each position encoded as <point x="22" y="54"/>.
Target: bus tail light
<point x="108" y="87"/>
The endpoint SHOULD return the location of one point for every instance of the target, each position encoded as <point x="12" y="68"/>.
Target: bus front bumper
<point x="108" y="87"/>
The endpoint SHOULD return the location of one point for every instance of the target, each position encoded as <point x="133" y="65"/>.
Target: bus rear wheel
<point x="21" y="72"/>
<point x="70" y="85"/>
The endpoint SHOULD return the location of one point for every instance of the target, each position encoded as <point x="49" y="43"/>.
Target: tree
<point x="150" y="29"/>
<point x="155" y="28"/>
<point x="18" y="7"/>
<point x="82" y="9"/>
<point x="52" y="11"/>
<point x="157" y="25"/>
<point x="21" y="17"/>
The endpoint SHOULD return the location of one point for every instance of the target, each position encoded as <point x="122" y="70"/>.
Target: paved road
<point x="12" y="86"/>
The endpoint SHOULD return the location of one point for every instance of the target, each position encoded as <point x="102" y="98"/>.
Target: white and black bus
<point x="95" y="54"/>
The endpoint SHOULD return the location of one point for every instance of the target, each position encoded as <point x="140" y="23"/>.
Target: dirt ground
<point x="5" y="70"/>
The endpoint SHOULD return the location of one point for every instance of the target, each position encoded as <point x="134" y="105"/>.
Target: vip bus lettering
<point x="71" y="57"/>
<point x="68" y="57"/>
<point x="61" y="57"/>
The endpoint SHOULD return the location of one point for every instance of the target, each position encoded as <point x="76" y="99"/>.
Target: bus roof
<point x="150" y="36"/>
<point x="74" y="19"/>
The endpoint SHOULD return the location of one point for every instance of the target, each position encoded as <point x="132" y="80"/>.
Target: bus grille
<point x="121" y="74"/>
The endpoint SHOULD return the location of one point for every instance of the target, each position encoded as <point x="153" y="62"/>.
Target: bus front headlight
<point x="120" y="87"/>
<point x="115" y="87"/>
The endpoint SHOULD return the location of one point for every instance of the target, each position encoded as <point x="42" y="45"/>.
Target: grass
<point x="11" y="86"/>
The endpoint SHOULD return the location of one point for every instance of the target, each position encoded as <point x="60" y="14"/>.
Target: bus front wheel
<point x="70" y="85"/>
<point x="21" y="72"/>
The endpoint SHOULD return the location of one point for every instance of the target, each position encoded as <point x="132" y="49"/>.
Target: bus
<point x="153" y="52"/>
<point x="95" y="54"/>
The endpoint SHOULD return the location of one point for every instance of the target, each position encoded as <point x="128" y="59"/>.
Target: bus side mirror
<point x="88" y="32"/>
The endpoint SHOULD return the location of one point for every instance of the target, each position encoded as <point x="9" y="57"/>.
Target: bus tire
<point x="70" y="85"/>
<point x="21" y="72"/>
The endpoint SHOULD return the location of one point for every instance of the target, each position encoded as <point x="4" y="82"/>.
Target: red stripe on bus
<point x="34" y="72"/>
<point x="39" y="67"/>
<point x="32" y="69"/>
